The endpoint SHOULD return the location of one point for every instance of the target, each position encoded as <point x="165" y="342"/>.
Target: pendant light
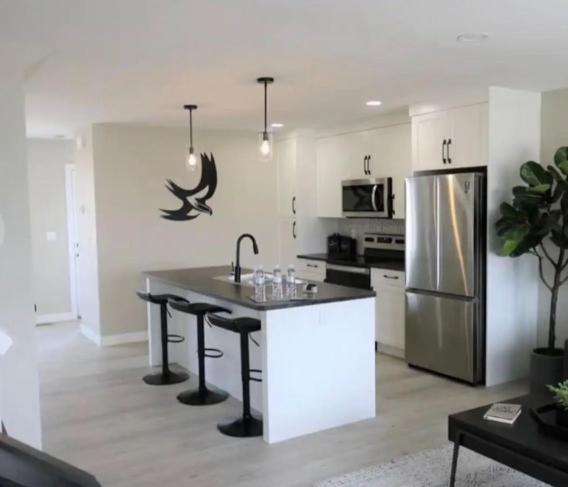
<point x="265" y="142"/>
<point x="191" y="160"/>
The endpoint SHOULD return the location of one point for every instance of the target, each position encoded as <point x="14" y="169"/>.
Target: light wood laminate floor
<point x="99" y="415"/>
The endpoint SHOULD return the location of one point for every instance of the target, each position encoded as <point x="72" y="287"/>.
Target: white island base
<point x="317" y="361"/>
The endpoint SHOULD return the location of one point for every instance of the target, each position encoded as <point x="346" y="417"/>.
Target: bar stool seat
<point x="203" y="395"/>
<point x="247" y="425"/>
<point x="166" y="376"/>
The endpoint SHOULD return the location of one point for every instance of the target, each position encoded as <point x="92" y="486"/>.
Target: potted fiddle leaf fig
<point x="536" y="223"/>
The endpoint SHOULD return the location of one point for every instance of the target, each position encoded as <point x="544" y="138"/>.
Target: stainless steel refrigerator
<point x="445" y="274"/>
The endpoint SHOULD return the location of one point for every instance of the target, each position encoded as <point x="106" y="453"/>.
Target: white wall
<point x="48" y="213"/>
<point x="554" y="135"/>
<point x="512" y="286"/>
<point x="87" y="264"/>
<point x="19" y="392"/>
<point x="131" y="165"/>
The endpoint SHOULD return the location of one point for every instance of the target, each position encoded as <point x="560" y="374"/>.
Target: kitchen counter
<point x="358" y="261"/>
<point x="313" y="353"/>
<point x="204" y="280"/>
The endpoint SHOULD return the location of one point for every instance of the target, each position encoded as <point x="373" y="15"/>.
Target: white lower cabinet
<point x="389" y="311"/>
<point x="310" y="269"/>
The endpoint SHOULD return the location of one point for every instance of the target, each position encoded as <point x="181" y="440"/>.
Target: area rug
<point x="431" y="468"/>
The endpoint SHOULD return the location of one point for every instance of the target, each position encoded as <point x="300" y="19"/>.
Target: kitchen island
<point x="316" y="353"/>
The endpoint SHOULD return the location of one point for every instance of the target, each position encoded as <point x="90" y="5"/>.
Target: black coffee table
<point x="520" y="446"/>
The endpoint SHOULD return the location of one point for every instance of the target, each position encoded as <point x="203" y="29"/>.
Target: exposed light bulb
<point x="191" y="160"/>
<point x="265" y="147"/>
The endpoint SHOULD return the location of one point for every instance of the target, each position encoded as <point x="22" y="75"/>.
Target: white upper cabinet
<point x="469" y="132"/>
<point x="450" y="138"/>
<point x="391" y="156"/>
<point x="361" y="147"/>
<point x="285" y="152"/>
<point x="333" y="156"/>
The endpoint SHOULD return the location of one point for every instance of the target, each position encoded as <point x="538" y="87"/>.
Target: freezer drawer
<point x="440" y="335"/>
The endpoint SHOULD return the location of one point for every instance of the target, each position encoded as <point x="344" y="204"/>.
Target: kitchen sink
<point x="246" y="279"/>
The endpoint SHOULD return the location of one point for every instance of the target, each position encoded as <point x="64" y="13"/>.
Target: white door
<point x="429" y="131"/>
<point x="286" y="169"/>
<point x="468" y="136"/>
<point x="73" y="235"/>
<point x="287" y="235"/>
<point x="333" y="166"/>
<point x="390" y="309"/>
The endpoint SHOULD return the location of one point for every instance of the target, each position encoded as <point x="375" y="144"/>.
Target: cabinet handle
<point x="443" y="152"/>
<point x="448" y="151"/>
<point x="369" y="165"/>
<point x="294" y="230"/>
<point x="390" y="277"/>
<point x="365" y="164"/>
<point x="315" y="266"/>
<point x="293" y="205"/>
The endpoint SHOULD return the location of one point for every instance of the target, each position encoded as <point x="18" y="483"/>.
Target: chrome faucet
<point x="238" y="260"/>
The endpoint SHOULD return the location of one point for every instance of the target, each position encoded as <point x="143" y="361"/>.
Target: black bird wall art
<point x="194" y="200"/>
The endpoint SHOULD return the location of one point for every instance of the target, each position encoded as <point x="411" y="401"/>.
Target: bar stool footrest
<point x="213" y="353"/>
<point x="255" y="371"/>
<point x="173" y="338"/>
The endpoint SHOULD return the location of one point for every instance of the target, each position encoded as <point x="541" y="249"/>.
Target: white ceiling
<point x="139" y="61"/>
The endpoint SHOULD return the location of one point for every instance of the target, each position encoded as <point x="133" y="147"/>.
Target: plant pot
<point x="546" y="369"/>
<point x="561" y="416"/>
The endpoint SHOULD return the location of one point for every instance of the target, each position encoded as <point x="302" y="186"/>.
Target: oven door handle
<point x="374" y="197"/>
<point x="349" y="269"/>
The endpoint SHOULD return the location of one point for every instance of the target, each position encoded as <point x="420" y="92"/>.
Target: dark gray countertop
<point x="202" y="280"/>
<point x="358" y="261"/>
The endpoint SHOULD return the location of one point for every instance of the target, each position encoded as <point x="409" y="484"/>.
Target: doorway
<point x="73" y="236"/>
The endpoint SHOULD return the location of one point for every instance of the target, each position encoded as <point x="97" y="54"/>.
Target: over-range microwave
<point x="367" y="198"/>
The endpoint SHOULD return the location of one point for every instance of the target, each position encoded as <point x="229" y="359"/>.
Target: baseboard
<point x="388" y="350"/>
<point x="90" y="334"/>
<point x="54" y="318"/>
<point x="133" y="337"/>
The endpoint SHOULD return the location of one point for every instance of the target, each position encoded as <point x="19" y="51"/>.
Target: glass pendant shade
<point x="191" y="160"/>
<point x="265" y="139"/>
<point x="265" y="146"/>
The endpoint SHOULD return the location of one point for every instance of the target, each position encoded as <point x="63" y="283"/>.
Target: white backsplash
<point x="356" y="227"/>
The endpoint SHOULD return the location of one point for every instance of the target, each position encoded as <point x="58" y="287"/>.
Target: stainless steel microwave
<point x="367" y="198"/>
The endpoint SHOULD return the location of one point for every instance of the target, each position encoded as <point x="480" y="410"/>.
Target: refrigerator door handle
<point x="437" y="230"/>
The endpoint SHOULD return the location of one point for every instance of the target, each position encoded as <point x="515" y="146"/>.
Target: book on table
<point x="503" y="413"/>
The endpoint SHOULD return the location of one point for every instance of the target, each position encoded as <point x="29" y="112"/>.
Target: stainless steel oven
<point x="367" y="198"/>
<point x="350" y="276"/>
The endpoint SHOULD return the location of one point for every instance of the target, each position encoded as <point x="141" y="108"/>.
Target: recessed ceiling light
<point x="472" y="37"/>
<point x="374" y="103"/>
<point x="277" y="125"/>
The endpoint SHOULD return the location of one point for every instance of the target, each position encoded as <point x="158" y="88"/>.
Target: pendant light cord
<point x="265" y="108"/>
<point x="190" y="129"/>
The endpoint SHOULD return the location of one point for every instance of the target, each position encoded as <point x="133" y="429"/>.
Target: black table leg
<point x="457" y="442"/>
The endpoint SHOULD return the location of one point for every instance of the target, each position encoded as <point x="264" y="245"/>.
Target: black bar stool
<point x="247" y="425"/>
<point x="202" y="396"/>
<point x="167" y="376"/>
